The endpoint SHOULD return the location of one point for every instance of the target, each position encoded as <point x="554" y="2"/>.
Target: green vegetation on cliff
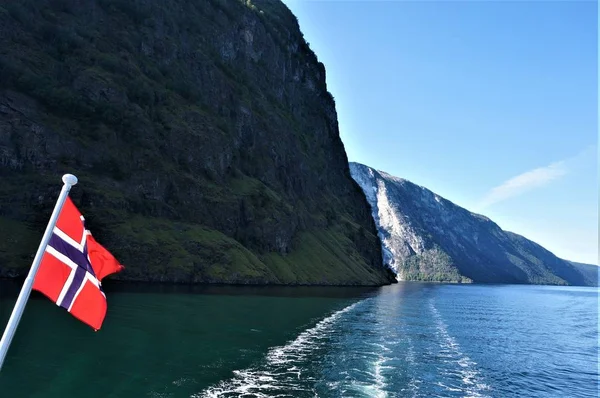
<point x="203" y="135"/>
<point x="432" y="265"/>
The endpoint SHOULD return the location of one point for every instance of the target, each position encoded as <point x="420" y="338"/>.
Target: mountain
<point x="203" y="135"/>
<point x="426" y="237"/>
<point x="589" y="271"/>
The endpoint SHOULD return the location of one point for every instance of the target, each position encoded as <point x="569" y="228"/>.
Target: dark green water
<point x="155" y="341"/>
<point x="406" y="340"/>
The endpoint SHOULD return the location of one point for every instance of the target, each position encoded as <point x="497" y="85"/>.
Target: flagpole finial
<point x="69" y="179"/>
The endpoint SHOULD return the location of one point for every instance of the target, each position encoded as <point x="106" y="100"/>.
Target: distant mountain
<point x="589" y="271"/>
<point x="426" y="237"/>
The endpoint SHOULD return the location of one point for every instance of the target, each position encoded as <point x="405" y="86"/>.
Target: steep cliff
<point x="426" y="237"/>
<point x="202" y="132"/>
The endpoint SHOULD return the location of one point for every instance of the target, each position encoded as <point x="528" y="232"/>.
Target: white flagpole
<point x="69" y="180"/>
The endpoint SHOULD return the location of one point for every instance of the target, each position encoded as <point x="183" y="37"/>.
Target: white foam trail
<point x="280" y="375"/>
<point x="413" y="384"/>
<point x="380" y="383"/>
<point x="370" y="381"/>
<point x="471" y="379"/>
<point x="370" y="376"/>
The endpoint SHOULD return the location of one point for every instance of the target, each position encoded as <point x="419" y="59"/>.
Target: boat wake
<point x="363" y="350"/>
<point x="471" y="384"/>
<point x="282" y="373"/>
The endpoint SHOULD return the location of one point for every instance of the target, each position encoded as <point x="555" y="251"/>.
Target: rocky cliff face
<point x="426" y="237"/>
<point x="202" y="132"/>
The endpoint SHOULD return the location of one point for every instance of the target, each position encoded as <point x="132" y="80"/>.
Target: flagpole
<point x="69" y="180"/>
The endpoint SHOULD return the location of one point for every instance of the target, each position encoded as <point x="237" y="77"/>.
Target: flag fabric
<point x="73" y="266"/>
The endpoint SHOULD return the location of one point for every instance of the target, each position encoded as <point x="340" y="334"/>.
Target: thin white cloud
<point x="533" y="179"/>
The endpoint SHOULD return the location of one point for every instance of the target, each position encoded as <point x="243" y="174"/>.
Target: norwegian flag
<point x="73" y="266"/>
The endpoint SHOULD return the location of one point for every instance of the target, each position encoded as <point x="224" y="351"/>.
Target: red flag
<point x="73" y="266"/>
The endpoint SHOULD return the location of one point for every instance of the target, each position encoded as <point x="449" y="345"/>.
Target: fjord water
<point x="405" y="340"/>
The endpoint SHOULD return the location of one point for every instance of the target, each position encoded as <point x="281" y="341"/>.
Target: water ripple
<point x="282" y="373"/>
<point x="437" y="341"/>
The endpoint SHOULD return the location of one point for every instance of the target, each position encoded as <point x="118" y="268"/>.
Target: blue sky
<point x="492" y="105"/>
